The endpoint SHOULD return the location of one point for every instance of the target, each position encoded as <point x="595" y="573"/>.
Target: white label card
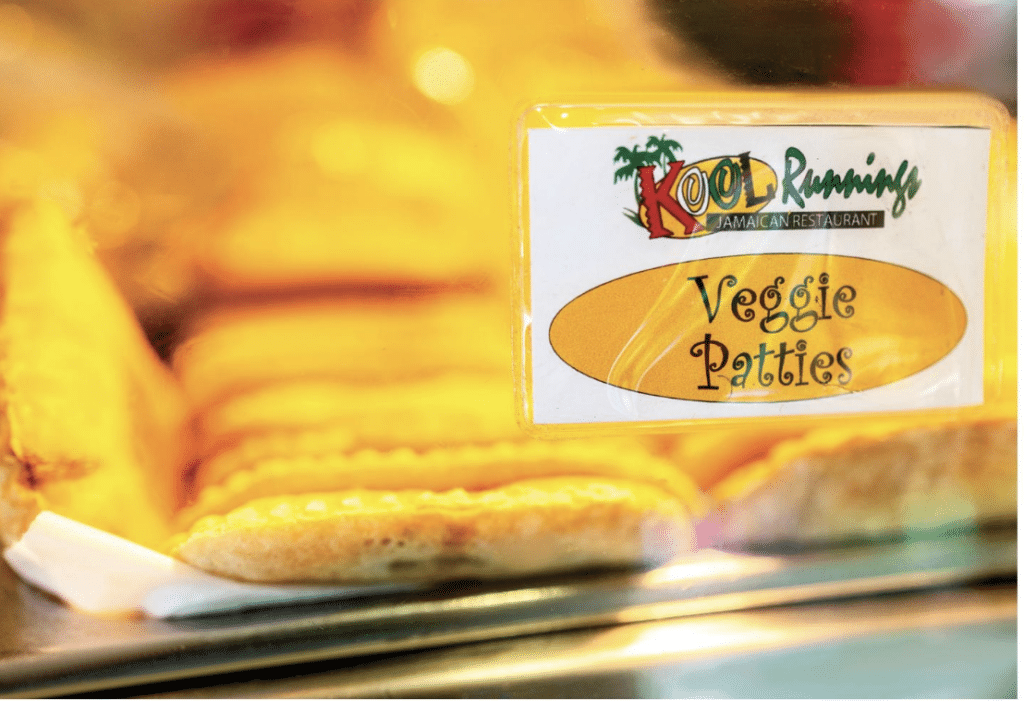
<point x="711" y="272"/>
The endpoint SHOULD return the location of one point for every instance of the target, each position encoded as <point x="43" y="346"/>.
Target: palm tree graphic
<point x="664" y="148"/>
<point x="658" y="152"/>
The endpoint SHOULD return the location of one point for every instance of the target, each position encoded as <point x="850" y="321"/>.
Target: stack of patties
<point x="346" y="439"/>
<point x="360" y="439"/>
<point x="350" y="377"/>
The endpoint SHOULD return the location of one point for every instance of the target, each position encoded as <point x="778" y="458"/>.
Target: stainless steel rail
<point x="48" y="650"/>
<point x="958" y="643"/>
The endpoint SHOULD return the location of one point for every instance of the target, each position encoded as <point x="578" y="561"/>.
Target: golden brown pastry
<point x="709" y="455"/>
<point x="874" y="479"/>
<point x="357" y="341"/>
<point x="313" y="418"/>
<point x="92" y="423"/>
<point x="341" y="178"/>
<point x="447" y="410"/>
<point x="529" y="527"/>
<point x="111" y="151"/>
<point x="478" y="512"/>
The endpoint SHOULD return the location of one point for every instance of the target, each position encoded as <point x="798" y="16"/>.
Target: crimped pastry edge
<point x="360" y="536"/>
<point x="471" y="467"/>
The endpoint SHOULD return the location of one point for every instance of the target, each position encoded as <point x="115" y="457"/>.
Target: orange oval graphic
<point x="729" y="184"/>
<point x="760" y="328"/>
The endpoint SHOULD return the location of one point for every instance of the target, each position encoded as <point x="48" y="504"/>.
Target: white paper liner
<point x="99" y="573"/>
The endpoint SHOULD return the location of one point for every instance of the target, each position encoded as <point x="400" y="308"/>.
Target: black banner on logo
<point x="770" y="221"/>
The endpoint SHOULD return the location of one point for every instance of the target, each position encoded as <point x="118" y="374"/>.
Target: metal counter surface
<point x="49" y="650"/>
<point x="958" y="643"/>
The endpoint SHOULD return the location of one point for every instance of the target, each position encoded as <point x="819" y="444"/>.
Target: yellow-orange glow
<point x="16" y="31"/>
<point x="113" y="211"/>
<point x="340" y="148"/>
<point x="444" y="75"/>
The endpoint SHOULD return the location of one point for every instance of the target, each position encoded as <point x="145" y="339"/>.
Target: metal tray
<point x="49" y="650"/>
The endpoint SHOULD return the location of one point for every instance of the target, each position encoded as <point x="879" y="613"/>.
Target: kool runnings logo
<point x="676" y="199"/>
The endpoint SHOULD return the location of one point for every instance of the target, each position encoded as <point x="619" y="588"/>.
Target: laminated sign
<point x="759" y="256"/>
